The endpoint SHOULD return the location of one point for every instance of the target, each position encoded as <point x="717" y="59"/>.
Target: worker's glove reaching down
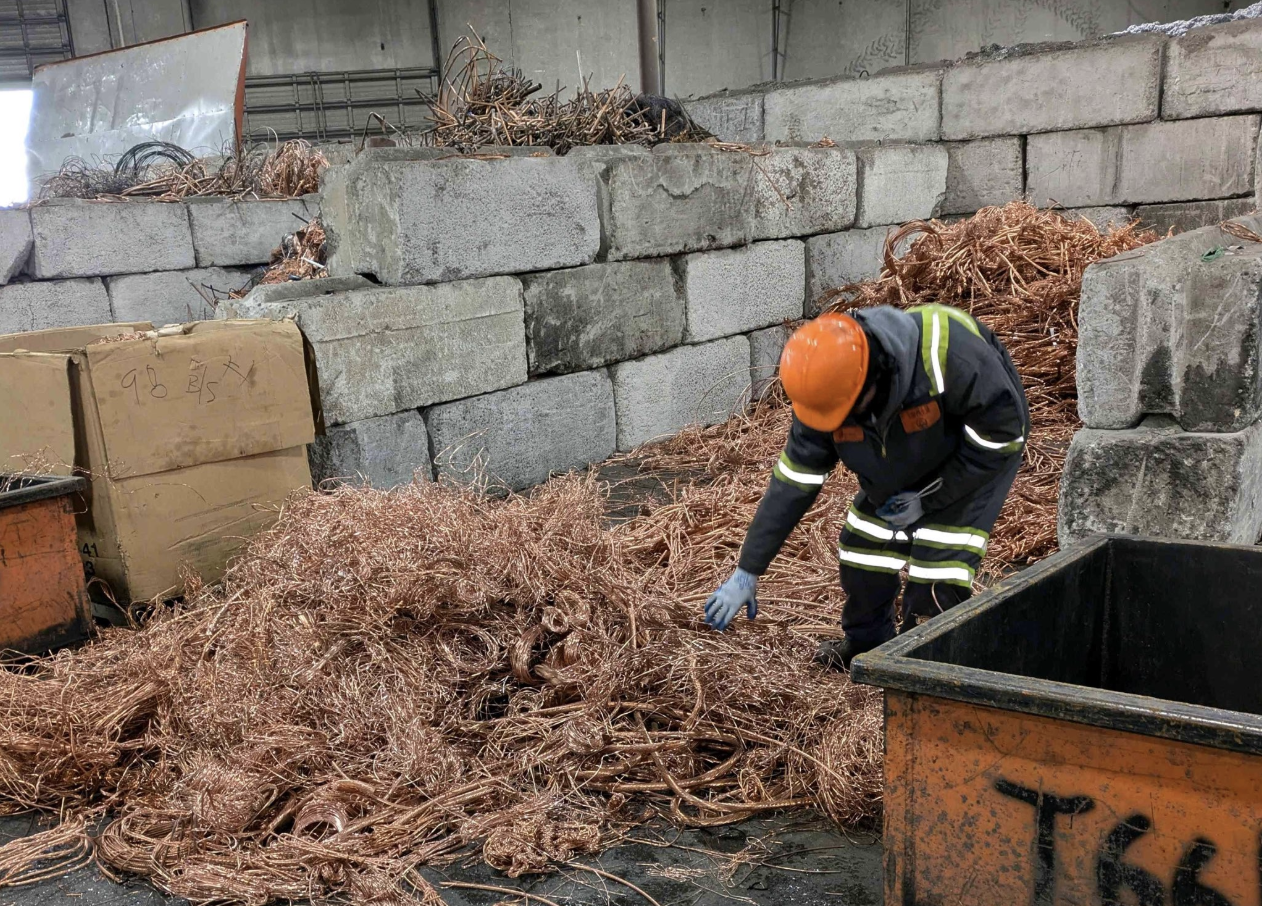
<point x="740" y="590"/>
<point x="902" y="510"/>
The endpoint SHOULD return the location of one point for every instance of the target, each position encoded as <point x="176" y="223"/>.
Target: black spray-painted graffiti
<point x="1117" y="882"/>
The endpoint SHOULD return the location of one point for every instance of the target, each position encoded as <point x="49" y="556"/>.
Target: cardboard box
<point x="191" y="437"/>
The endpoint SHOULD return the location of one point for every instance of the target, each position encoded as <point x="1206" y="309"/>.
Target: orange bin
<point x="43" y="599"/>
<point x="1086" y="732"/>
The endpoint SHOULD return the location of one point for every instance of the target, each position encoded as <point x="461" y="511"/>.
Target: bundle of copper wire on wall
<point x="300" y="256"/>
<point x="160" y="171"/>
<point x="482" y="103"/>
<point x="394" y="678"/>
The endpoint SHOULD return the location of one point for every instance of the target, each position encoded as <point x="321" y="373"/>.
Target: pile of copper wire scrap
<point x="160" y="171"/>
<point x="301" y="255"/>
<point x="397" y="678"/>
<point x="482" y="103"/>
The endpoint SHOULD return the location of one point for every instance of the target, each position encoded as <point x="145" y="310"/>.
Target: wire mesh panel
<point x="328" y="105"/>
<point x="32" y="32"/>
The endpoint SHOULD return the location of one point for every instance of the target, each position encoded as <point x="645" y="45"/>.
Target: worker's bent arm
<point x="982" y="393"/>
<point x="798" y="475"/>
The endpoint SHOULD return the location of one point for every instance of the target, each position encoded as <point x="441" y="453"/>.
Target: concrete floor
<point x="786" y="860"/>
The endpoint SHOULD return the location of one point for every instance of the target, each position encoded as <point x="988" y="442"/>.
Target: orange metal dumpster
<point x="1087" y="732"/>
<point x="43" y="600"/>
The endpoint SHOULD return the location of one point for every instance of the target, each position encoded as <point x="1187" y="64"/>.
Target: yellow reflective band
<point x="1006" y="446"/>
<point x="871" y="529"/>
<point x="871" y="561"/>
<point x="952" y="539"/>
<point x="940" y="573"/>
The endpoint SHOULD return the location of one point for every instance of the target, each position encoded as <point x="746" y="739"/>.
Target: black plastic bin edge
<point x="890" y="666"/>
<point x="41" y="488"/>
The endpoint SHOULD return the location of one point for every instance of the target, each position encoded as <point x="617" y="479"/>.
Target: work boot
<point x="837" y="653"/>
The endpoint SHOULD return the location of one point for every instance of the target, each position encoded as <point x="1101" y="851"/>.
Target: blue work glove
<point x="738" y="591"/>
<point x="902" y="510"/>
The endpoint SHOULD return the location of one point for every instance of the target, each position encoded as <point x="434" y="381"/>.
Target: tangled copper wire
<point x="392" y="678"/>
<point x="481" y="103"/>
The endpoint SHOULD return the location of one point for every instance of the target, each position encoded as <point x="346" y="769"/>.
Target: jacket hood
<point x="899" y="335"/>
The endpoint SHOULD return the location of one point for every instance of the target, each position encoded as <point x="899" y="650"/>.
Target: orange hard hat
<point x="823" y="368"/>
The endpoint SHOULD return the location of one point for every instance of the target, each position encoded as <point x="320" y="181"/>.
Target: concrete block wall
<point x="627" y="295"/>
<point x="1162" y="129"/>
<point x="66" y="262"/>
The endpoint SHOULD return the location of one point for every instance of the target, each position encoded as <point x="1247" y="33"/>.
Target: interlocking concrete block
<point x="765" y="347"/>
<point x="1162" y="331"/>
<point x="591" y="316"/>
<point x="98" y="238"/>
<point x="15" y="242"/>
<point x="173" y="297"/>
<point x="380" y="350"/>
<point x="39" y="305"/>
<point x="523" y="435"/>
<point x="416" y="221"/>
<point x="989" y="171"/>
<point x="1192" y="215"/>
<point x="1154" y="162"/>
<point x="698" y="199"/>
<point x="387" y="452"/>
<point x="660" y="394"/>
<point x="1071" y="87"/>
<point x="898" y="183"/>
<point x="899" y="106"/>
<point x="229" y="232"/>
<point x="836" y="259"/>
<point x="1159" y="481"/>
<point x="735" y="291"/>
<point x="1211" y="71"/>
<point x="1103" y="218"/>
<point x="731" y="117"/>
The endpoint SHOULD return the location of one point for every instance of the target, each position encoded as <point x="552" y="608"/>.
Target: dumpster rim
<point x="42" y="488"/>
<point x="891" y="667"/>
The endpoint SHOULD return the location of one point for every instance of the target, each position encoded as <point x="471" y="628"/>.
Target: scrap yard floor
<point x="789" y="859"/>
<point x="793" y="859"/>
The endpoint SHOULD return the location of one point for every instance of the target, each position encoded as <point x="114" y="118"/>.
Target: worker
<point x="927" y="409"/>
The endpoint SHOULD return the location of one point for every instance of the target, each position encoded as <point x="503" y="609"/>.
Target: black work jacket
<point x="955" y="411"/>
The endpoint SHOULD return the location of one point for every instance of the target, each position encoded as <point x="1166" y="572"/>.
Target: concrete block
<point x="1212" y="71"/>
<point x="271" y="293"/>
<point x="836" y="259"/>
<point x="735" y="291"/>
<point x="229" y="233"/>
<point x="380" y="350"/>
<point x="898" y="183"/>
<point x="1163" y="332"/>
<point x="523" y="435"/>
<point x="39" y="305"/>
<point x="765" y="347"/>
<point x="1154" y="162"/>
<point x="660" y="394"/>
<point x="730" y="117"/>
<point x="415" y="221"/>
<point x="1193" y="215"/>
<point x="695" y="200"/>
<point x="1103" y="218"/>
<point x="1156" y="480"/>
<point x="15" y="242"/>
<point x="989" y="171"/>
<point x="591" y="316"/>
<point x="98" y="238"/>
<point x="896" y="106"/>
<point x="1016" y="92"/>
<point x="388" y="451"/>
<point x="173" y="297"/>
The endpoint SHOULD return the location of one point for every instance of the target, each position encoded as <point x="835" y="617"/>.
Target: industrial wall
<point x="537" y="312"/>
